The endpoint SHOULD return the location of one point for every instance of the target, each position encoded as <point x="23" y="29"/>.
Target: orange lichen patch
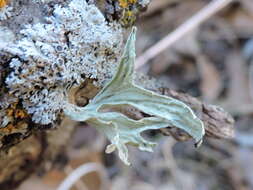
<point x="126" y="3"/>
<point x="3" y="3"/>
<point x="15" y="112"/>
<point x="123" y="3"/>
<point x="9" y="112"/>
<point x="132" y="1"/>
<point x="129" y="13"/>
<point x="7" y="130"/>
<point x="17" y="120"/>
<point x="20" y="127"/>
<point x="128" y="18"/>
<point x="19" y="113"/>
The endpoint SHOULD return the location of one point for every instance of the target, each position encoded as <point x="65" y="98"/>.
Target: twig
<point x="251" y="80"/>
<point x="171" y="163"/>
<point x="218" y="123"/>
<point x="79" y="185"/>
<point x="81" y="171"/>
<point x="205" y="13"/>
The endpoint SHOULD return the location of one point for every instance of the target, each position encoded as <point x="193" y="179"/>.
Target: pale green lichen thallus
<point x="121" y="91"/>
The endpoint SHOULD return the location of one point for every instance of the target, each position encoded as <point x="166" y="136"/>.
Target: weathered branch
<point x="218" y="123"/>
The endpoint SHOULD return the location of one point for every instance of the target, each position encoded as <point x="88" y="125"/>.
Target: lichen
<point x="41" y="1"/>
<point x="75" y="43"/>
<point x="126" y="3"/>
<point x="15" y="120"/>
<point x="3" y="3"/>
<point x="121" y="91"/>
<point x="6" y="37"/>
<point x="125" y="11"/>
<point x="5" y="10"/>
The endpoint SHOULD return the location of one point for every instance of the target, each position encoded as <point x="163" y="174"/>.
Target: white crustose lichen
<point x="74" y="44"/>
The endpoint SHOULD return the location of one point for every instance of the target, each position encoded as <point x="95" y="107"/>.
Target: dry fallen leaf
<point x="211" y="83"/>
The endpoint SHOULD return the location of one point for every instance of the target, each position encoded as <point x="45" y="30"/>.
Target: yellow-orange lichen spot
<point x="9" y="112"/>
<point x="15" y="112"/>
<point x="132" y="1"/>
<point x="123" y="3"/>
<point x="8" y="129"/>
<point x="128" y="13"/>
<point x="19" y="113"/>
<point x="126" y="3"/>
<point x="3" y="3"/>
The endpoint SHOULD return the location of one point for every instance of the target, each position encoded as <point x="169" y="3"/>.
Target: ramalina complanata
<point x="121" y="91"/>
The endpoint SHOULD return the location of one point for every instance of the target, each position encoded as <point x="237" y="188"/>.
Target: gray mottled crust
<point x="47" y="58"/>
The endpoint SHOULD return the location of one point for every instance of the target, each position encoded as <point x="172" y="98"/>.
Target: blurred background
<point x="214" y="62"/>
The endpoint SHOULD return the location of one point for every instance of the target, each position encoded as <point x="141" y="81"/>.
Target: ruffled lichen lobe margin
<point x="121" y="91"/>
